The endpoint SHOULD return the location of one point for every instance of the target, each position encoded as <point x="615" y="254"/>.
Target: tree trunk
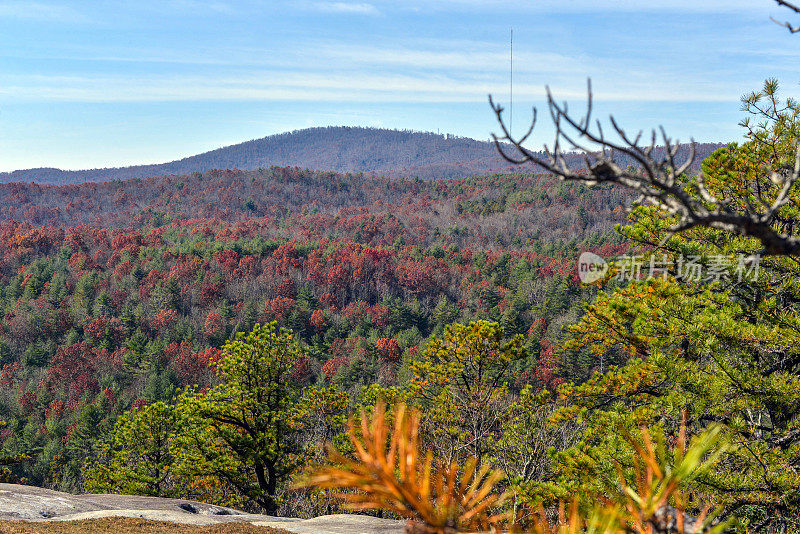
<point x="267" y="486"/>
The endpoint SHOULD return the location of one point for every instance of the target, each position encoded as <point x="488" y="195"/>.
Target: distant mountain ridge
<point x="335" y="148"/>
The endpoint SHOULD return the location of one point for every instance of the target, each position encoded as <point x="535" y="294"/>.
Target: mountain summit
<point x="336" y="148"/>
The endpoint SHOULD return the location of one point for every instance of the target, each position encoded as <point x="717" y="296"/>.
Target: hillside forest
<point x="100" y="316"/>
<point x="219" y="336"/>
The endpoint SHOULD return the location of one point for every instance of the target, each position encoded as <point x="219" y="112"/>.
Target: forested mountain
<point x="340" y="149"/>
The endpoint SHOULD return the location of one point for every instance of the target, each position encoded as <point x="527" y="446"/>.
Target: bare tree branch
<point x="658" y="177"/>
<point x="788" y="25"/>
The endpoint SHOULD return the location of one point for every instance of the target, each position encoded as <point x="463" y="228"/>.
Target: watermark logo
<point x="713" y="268"/>
<point x="591" y="267"/>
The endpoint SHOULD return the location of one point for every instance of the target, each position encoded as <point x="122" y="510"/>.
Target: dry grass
<point x="128" y="525"/>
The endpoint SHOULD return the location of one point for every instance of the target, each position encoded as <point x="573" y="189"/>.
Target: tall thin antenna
<point x="511" y="86"/>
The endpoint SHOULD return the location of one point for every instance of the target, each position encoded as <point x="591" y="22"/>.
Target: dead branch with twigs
<point x="792" y="28"/>
<point x="658" y="177"/>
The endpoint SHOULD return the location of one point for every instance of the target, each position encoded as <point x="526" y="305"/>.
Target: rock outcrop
<point x="30" y="503"/>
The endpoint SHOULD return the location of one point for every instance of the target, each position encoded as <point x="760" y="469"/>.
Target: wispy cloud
<point x="41" y="11"/>
<point x="202" y="5"/>
<point x="572" y="6"/>
<point x="440" y="55"/>
<point x="343" y="87"/>
<point x="473" y="58"/>
<point x="357" y="8"/>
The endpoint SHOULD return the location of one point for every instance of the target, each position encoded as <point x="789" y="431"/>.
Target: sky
<point x="87" y="84"/>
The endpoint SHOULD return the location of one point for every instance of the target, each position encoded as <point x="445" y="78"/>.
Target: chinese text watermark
<point x="692" y="268"/>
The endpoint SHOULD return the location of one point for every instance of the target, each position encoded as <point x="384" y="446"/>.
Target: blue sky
<point x="88" y="84"/>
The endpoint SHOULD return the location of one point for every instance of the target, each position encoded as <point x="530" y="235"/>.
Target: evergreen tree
<point x="243" y="431"/>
